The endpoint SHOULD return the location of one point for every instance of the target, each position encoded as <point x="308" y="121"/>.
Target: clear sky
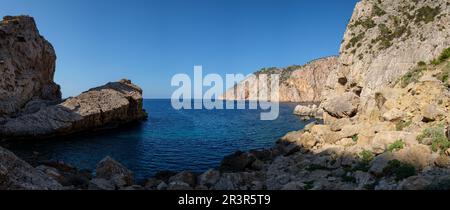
<point x="148" y="41"/>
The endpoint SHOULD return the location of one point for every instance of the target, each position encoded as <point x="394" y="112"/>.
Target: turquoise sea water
<point x="169" y="140"/>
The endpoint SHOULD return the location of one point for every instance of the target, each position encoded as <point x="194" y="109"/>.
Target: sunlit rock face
<point x="384" y="40"/>
<point x="297" y="83"/>
<point x="106" y="106"/>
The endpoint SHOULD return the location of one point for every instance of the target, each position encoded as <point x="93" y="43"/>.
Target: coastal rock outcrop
<point x="107" y="106"/>
<point x="30" y="101"/>
<point x="297" y="83"/>
<point x="27" y="66"/>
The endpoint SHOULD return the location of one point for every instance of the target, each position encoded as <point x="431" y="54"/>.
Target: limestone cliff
<point x="297" y="83"/>
<point x="384" y="40"/>
<point x="30" y="102"/>
<point x="27" y="66"/>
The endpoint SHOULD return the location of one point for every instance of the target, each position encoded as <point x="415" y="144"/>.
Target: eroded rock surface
<point x="297" y="83"/>
<point x="27" y="66"/>
<point x="16" y="174"/>
<point x="107" y="106"/>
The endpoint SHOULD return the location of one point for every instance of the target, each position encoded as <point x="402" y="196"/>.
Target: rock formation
<point x="103" y="107"/>
<point x="16" y="174"/>
<point x="386" y="115"/>
<point x="27" y="66"/>
<point x="30" y="102"/>
<point x="297" y="83"/>
<point x="386" y="39"/>
<point x="308" y="112"/>
<point x="385" y="108"/>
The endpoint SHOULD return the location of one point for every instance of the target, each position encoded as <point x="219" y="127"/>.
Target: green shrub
<point x="397" y="145"/>
<point x="402" y="125"/>
<point x="421" y="63"/>
<point x="442" y="58"/>
<point x="269" y="71"/>
<point x="399" y="170"/>
<point x="377" y="11"/>
<point x="444" y="75"/>
<point x="366" y="23"/>
<point x="427" y="14"/>
<point x="411" y="76"/>
<point x="366" y="156"/>
<point x="387" y="35"/>
<point x="353" y="41"/>
<point x="438" y="139"/>
<point x="355" y="138"/>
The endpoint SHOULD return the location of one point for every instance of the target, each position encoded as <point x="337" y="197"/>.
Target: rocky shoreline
<point x="385" y="110"/>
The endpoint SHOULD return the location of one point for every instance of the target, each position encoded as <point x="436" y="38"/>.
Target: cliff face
<point x="30" y="102"/>
<point x="27" y="66"/>
<point x="384" y="40"/>
<point x="297" y="83"/>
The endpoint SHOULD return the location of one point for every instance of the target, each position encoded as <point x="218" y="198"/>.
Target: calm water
<point x="170" y="140"/>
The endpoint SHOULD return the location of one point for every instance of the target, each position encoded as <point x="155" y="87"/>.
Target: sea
<point x="170" y="139"/>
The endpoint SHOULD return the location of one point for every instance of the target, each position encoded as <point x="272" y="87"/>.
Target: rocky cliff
<point x="30" y="102"/>
<point x="386" y="39"/>
<point x="297" y="83"/>
<point x="27" y="66"/>
<point x="386" y="122"/>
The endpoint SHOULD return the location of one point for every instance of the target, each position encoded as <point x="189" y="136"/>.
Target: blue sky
<point x="148" y="41"/>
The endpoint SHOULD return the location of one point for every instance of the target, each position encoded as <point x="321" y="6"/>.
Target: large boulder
<point x="307" y="112"/>
<point x="27" y="66"/>
<point x="430" y="113"/>
<point x="109" y="169"/>
<point x="417" y="155"/>
<point x="236" y="162"/>
<point x="16" y="174"/>
<point x="209" y="178"/>
<point x="185" y="177"/>
<point x="384" y="139"/>
<point x="342" y="105"/>
<point x="393" y="115"/>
